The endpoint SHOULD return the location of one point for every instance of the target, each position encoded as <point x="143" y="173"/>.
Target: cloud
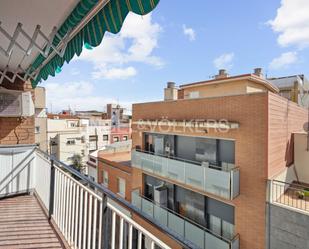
<point x="74" y="71"/>
<point x="283" y="61"/>
<point x="224" y="61"/>
<point x="135" y="42"/>
<point x="292" y="23"/>
<point x="114" y="73"/>
<point x="78" y="96"/>
<point x="189" y="32"/>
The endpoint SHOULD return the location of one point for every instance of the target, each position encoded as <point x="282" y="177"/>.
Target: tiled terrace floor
<point x="24" y="225"/>
<point x="291" y="198"/>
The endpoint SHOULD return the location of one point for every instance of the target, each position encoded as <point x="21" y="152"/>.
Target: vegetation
<point x="77" y="163"/>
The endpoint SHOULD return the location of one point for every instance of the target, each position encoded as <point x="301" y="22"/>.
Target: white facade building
<point x="68" y="135"/>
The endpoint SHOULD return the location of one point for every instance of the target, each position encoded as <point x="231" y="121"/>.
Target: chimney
<point x="258" y="72"/>
<point x="222" y="74"/>
<point x="170" y="92"/>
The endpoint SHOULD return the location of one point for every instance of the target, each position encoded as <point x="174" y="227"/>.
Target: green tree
<point x="77" y="163"/>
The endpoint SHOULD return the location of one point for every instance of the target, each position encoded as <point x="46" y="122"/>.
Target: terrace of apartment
<point x="23" y="224"/>
<point x="294" y="195"/>
<point x="65" y="209"/>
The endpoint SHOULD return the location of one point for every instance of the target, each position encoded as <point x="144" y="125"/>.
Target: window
<point x="93" y="138"/>
<point x="121" y="186"/>
<point x="37" y="129"/>
<point x="194" y="95"/>
<point x="105" y="178"/>
<point x="105" y="137"/>
<point x="71" y="124"/>
<point x="125" y="138"/>
<point x="116" y="139"/>
<point x="70" y="141"/>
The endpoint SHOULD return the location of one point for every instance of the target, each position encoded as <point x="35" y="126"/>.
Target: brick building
<point x="17" y="130"/>
<point x="202" y="159"/>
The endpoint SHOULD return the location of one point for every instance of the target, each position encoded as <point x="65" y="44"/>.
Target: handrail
<point x="173" y="235"/>
<point x="211" y="164"/>
<point x="292" y="183"/>
<point x="189" y="220"/>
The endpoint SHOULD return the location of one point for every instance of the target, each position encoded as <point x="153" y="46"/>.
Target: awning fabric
<point x="109" y="18"/>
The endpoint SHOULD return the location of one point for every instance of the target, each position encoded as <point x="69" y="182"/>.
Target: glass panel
<point x="136" y="159"/>
<point x="136" y="200"/>
<point x="176" y="224"/>
<point x="215" y="224"/>
<point x="160" y="214"/>
<point x="213" y="242"/>
<point x="194" y="234"/>
<point x="206" y="150"/>
<point x="147" y="207"/>
<point x="195" y="175"/>
<point x="217" y="182"/>
<point x="227" y="229"/>
<point x="176" y="170"/>
<point x="147" y="162"/>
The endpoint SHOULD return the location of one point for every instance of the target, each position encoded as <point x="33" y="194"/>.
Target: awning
<point x="37" y="38"/>
<point x="109" y="18"/>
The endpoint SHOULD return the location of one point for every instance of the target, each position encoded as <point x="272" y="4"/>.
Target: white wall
<point x="301" y="157"/>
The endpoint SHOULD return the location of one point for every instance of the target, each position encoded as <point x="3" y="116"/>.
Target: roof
<point x="287" y="81"/>
<point x="118" y="157"/>
<point x="251" y="77"/>
<point x="121" y="160"/>
<point x="61" y="116"/>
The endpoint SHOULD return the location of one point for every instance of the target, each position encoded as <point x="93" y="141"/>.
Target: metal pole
<point x="51" y="189"/>
<point x="105" y="223"/>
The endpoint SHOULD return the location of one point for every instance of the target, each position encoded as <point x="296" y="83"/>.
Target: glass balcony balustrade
<point x="221" y="181"/>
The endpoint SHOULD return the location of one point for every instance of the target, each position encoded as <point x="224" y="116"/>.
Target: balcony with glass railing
<point x="222" y="181"/>
<point x="81" y="217"/>
<point x="204" y="238"/>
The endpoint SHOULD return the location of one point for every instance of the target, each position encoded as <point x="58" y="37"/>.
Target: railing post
<point x="51" y="189"/>
<point x="106" y="228"/>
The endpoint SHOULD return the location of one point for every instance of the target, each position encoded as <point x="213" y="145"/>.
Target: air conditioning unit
<point x="15" y="103"/>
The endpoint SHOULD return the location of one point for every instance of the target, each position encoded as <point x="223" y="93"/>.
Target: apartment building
<point x="40" y="129"/>
<point x="114" y="169"/>
<point x="203" y="159"/>
<point x="66" y="137"/>
<point x="294" y="88"/>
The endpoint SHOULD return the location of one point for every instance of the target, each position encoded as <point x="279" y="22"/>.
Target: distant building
<point x="66" y="137"/>
<point x="215" y="163"/>
<point x="114" y="169"/>
<point x="40" y="121"/>
<point x="294" y="88"/>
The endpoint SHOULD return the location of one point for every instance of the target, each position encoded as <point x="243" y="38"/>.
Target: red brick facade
<point x="17" y="130"/>
<point x="257" y="151"/>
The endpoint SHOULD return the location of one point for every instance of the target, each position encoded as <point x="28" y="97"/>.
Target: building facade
<point x="202" y="159"/>
<point x="40" y="129"/>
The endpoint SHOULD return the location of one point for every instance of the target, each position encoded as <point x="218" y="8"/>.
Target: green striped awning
<point x="109" y="18"/>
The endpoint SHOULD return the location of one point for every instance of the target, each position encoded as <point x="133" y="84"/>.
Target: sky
<point x="184" y="43"/>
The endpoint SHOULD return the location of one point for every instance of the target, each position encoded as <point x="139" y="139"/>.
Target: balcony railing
<point x="292" y="195"/>
<point x="222" y="181"/>
<point x="85" y="218"/>
<point x="185" y="227"/>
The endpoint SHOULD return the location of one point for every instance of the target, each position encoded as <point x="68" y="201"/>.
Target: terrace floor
<point x="291" y="198"/>
<point x="23" y="224"/>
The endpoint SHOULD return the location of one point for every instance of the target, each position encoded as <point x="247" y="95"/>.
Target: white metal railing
<point x="290" y="194"/>
<point x="185" y="227"/>
<point x="220" y="181"/>
<point x="86" y="219"/>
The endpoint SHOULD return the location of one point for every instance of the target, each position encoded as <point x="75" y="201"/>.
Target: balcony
<point x="221" y="181"/>
<point x="186" y="228"/>
<point x="292" y="195"/>
<point x="68" y="213"/>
